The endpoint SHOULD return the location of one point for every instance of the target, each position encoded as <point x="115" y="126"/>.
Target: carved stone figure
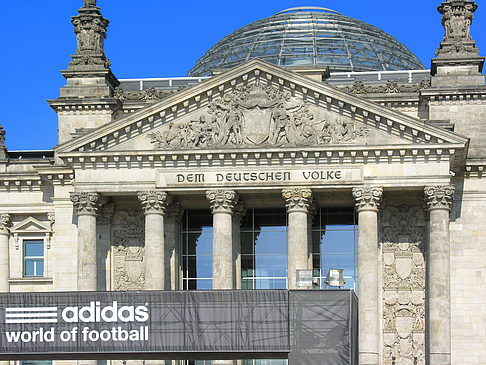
<point x="256" y="115"/>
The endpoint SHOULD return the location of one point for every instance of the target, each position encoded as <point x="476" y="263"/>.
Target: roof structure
<point x="310" y="36"/>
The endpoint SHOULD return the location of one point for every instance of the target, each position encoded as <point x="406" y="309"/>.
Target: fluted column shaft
<point x="87" y="206"/>
<point x="222" y="204"/>
<point x="368" y="201"/>
<point x="5" y="223"/>
<point x="297" y="202"/>
<point x="154" y="205"/>
<point x="439" y="202"/>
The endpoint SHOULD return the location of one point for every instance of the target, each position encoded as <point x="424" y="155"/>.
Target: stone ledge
<point x="31" y="280"/>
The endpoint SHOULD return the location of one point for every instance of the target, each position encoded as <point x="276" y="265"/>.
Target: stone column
<point x="87" y="206"/>
<point x="5" y="223"/>
<point x="238" y="215"/>
<point x="310" y="221"/>
<point x="154" y="204"/>
<point x="297" y="201"/>
<point x="438" y="317"/>
<point x="222" y="204"/>
<point x="368" y="201"/>
<point x="173" y="221"/>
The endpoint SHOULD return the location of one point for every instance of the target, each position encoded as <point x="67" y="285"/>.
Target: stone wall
<point x="468" y="273"/>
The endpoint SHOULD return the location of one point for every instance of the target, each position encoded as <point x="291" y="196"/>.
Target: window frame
<point x="24" y="257"/>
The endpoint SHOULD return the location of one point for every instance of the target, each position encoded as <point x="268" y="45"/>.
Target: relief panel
<point x="128" y="237"/>
<point x="402" y="237"/>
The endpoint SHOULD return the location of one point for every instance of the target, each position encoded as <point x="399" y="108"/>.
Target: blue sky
<point x="159" y="38"/>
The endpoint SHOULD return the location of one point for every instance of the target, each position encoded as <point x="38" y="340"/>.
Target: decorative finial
<point x="90" y="29"/>
<point x="88" y="3"/>
<point x="3" y="149"/>
<point x="457" y="17"/>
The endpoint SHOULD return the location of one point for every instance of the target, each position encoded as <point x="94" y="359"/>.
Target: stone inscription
<point x="272" y="177"/>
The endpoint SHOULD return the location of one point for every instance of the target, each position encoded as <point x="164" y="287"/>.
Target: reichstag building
<point x="309" y="170"/>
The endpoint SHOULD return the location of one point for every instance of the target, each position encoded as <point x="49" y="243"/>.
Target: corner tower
<point x="86" y="101"/>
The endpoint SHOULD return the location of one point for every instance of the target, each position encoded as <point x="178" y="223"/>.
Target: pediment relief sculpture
<point x="257" y="115"/>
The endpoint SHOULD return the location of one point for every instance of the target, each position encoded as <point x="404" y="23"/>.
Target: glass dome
<point x="310" y="36"/>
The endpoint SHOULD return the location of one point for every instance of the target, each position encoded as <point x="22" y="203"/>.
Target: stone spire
<point x="457" y="17"/>
<point x="458" y="63"/>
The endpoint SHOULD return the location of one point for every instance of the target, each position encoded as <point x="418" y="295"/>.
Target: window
<point x="197" y="250"/>
<point x="33" y="258"/>
<point x="36" y="362"/>
<point x="334" y="244"/>
<point x="264" y="249"/>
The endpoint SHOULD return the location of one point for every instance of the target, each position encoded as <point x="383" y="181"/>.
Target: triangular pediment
<point x="31" y="225"/>
<point x="259" y="105"/>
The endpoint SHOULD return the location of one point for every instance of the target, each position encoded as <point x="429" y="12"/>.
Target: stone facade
<point x="108" y="203"/>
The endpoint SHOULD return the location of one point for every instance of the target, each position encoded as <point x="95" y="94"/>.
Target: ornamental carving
<point x="439" y="197"/>
<point x="457" y="17"/>
<point x="391" y="87"/>
<point x="297" y="200"/>
<point x="90" y="29"/>
<point x="128" y="237"/>
<point x="143" y="95"/>
<point x="5" y="223"/>
<point x="402" y="238"/>
<point x="87" y="203"/>
<point x="367" y="197"/>
<point x="257" y="115"/>
<point x="222" y="201"/>
<point x="154" y="202"/>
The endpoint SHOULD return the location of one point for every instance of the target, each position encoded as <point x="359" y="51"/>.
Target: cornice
<point x="344" y="154"/>
<point x="30" y="181"/>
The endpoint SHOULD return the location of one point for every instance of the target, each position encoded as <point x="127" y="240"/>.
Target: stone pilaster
<point x="87" y="206"/>
<point x="238" y="215"/>
<point x="297" y="202"/>
<point x="368" y="200"/>
<point x="5" y="224"/>
<point x="222" y="204"/>
<point x="438" y="319"/>
<point x="173" y="221"/>
<point x="154" y="205"/>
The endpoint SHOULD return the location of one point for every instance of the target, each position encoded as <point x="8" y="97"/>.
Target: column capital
<point x="176" y="210"/>
<point x="5" y="223"/>
<point x="439" y="197"/>
<point x="222" y="201"/>
<point x="367" y="197"/>
<point x="297" y="199"/>
<point x="154" y="202"/>
<point x="87" y="203"/>
<point x="239" y="212"/>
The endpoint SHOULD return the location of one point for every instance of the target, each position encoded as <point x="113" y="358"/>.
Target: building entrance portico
<point x="217" y="189"/>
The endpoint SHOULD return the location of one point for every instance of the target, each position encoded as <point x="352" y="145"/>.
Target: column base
<point x="439" y="359"/>
<point x="369" y="358"/>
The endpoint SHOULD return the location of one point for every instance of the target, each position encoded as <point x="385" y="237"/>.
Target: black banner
<point x="233" y="324"/>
